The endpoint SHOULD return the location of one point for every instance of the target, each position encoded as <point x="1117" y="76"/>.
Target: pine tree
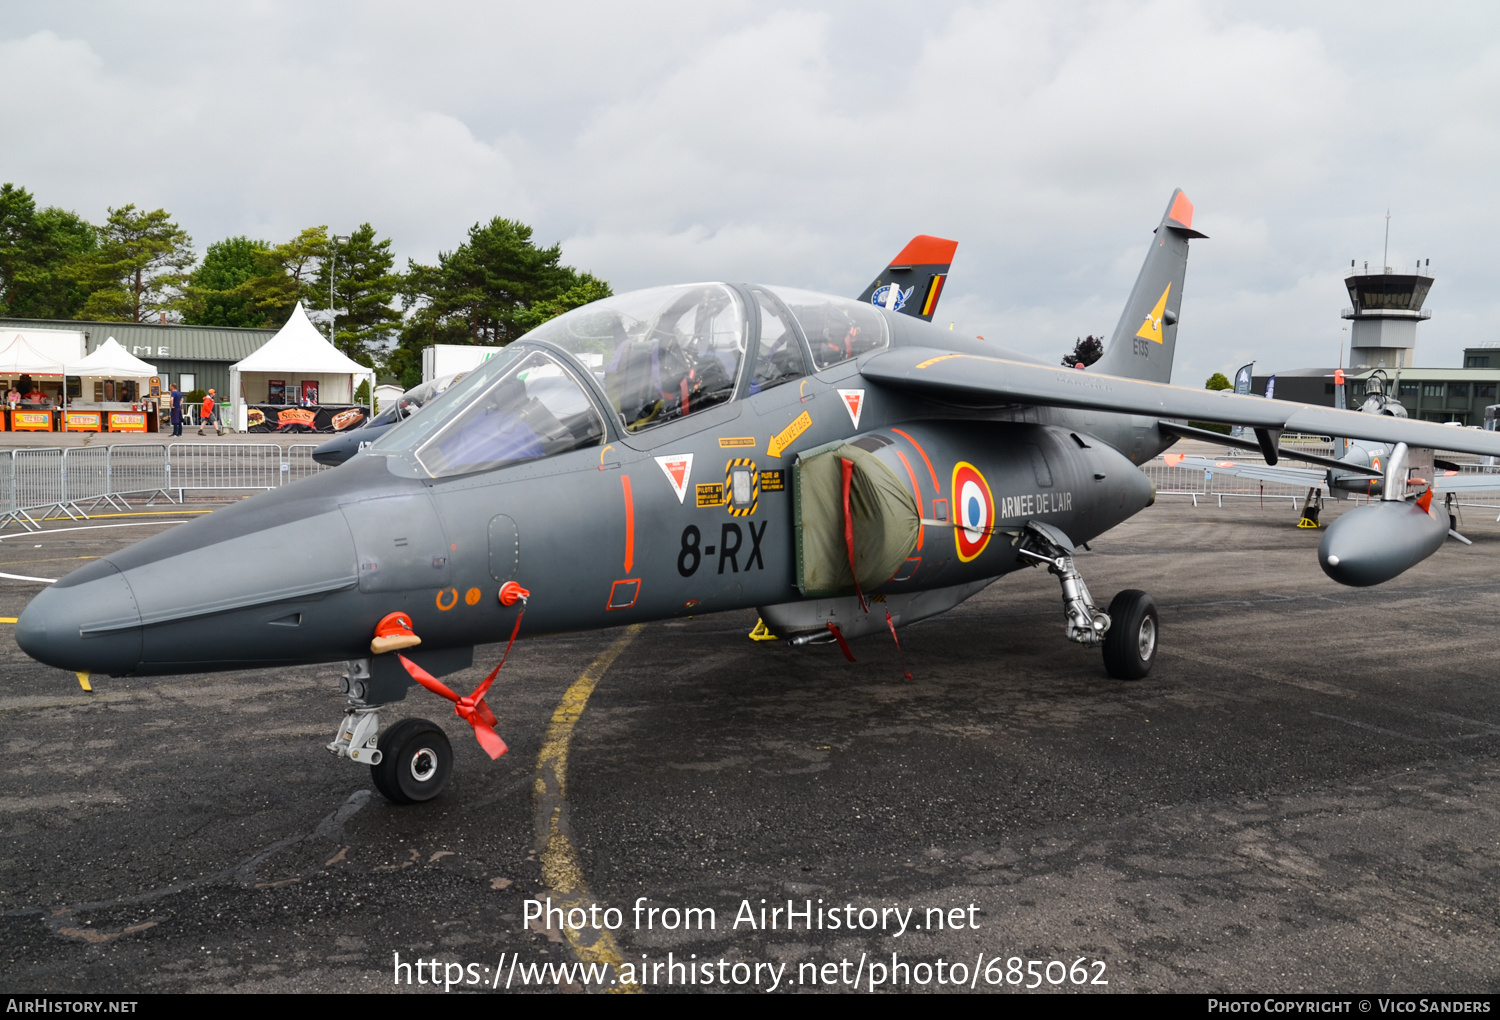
<point x="364" y="287"/>
<point x="288" y="273"/>
<point x="490" y="290"/>
<point x="138" y="269"/>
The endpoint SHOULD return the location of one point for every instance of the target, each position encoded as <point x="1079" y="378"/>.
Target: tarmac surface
<point x="1304" y="795"/>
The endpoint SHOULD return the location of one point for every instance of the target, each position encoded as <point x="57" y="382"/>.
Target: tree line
<point x="140" y="266"/>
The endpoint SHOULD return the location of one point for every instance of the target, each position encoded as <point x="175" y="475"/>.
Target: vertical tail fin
<point x="1145" y="340"/>
<point x="913" y="282"/>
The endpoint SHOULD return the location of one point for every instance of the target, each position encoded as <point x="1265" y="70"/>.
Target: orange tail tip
<point x="926" y="250"/>
<point x="392" y="632"/>
<point x="1182" y="210"/>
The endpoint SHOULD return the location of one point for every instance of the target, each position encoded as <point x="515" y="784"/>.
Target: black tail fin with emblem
<point x="1145" y="340"/>
<point x="913" y="282"/>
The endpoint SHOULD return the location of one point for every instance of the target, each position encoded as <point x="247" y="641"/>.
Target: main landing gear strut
<point x="1127" y="633"/>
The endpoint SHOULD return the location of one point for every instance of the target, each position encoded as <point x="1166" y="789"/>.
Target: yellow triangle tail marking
<point x="1151" y="328"/>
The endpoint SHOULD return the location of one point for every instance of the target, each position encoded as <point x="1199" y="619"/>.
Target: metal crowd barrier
<point x="1199" y="483"/>
<point x="139" y="468"/>
<point x="47" y="483"/>
<point x="298" y="463"/>
<point x="223" y="466"/>
<point x="39" y="482"/>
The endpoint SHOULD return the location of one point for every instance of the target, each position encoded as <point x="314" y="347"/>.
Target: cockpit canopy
<point x="657" y="355"/>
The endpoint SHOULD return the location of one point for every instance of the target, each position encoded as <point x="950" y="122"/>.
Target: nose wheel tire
<point x="1134" y="631"/>
<point x="416" y="761"/>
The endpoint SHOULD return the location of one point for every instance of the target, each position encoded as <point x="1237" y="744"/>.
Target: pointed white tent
<point x="298" y="352"/>
<point x="111" y="361"/>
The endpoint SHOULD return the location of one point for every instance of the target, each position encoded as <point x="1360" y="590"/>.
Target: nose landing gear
<point x="415" y="764"/>
<point x="409" y="763"/>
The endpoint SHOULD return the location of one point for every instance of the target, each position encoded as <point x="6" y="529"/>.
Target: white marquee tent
<point x="297" y="353"/>
<point x="111" y="361"/>
<point x="20" y="358"/>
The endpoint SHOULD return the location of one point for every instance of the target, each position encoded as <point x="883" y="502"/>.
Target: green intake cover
<point x="885" y="516"/>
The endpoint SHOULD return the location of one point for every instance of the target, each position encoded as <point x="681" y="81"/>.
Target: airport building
<point x="1384" y="310"/>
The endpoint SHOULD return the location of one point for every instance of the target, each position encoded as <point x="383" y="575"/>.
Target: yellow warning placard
<point x="787" y="436"/>
<point x="730" y="442"/>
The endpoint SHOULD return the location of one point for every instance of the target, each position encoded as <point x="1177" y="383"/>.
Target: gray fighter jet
<point x="683" y="450"/>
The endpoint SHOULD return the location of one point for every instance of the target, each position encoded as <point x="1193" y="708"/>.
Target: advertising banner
<point x="127" y="421"/>
<point x="31" y="421"/>
<point x="1242" y="387"/>
<point x="276" y="418"/>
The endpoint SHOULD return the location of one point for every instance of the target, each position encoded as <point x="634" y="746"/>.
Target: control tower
<point x="1386" y="309"/>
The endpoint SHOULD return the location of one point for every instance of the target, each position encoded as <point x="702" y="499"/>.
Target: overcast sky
<point x="804" y="144"/>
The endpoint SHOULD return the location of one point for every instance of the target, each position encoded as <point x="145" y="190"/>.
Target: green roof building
<point x="194" y="357"/>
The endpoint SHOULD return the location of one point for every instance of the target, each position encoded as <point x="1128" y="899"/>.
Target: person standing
<point x="176" y="412"/>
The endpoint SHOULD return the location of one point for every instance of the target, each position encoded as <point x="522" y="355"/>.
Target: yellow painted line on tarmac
<point x="560" y="868"/>
<point x="9" y="619"/>
<point x="134" y="513"/>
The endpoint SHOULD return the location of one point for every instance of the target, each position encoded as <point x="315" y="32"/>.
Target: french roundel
<point x="973" y="511"/>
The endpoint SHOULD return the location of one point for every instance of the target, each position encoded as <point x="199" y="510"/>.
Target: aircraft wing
<point x="1306" y="478"/>
<point x="978" y="378"/>
<point x="1446" y="481"/>
<point x="1453" y="481"/>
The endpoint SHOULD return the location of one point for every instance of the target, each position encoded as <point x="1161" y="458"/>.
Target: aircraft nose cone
<point x="87" y="622"/>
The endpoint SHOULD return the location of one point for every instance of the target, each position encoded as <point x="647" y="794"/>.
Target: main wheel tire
<point x="1134" y="630"/>
<point x="416" y="761"/>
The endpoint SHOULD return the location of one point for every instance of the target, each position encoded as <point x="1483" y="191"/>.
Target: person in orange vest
<point x="208" y="411"/>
